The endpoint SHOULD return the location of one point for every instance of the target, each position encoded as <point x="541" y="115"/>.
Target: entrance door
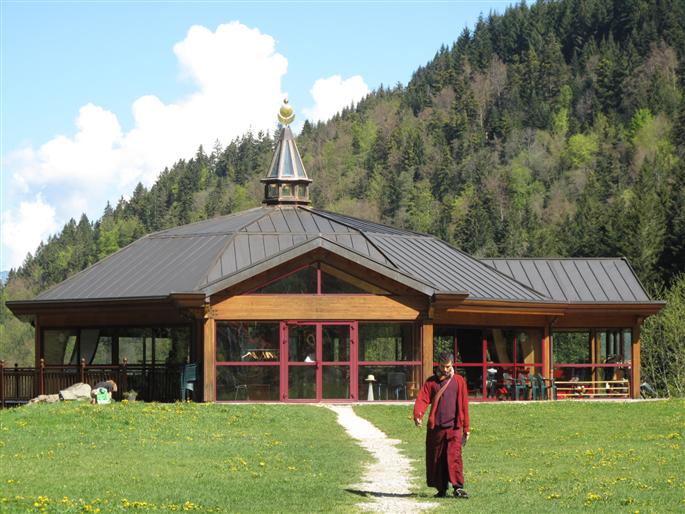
<point x="319" y="361"/>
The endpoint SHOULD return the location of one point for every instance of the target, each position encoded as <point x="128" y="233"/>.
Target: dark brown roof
<point x="192" y="257"/>
<point x="576" y="279"/>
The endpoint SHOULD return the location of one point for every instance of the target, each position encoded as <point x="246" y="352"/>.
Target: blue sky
<point x="96" y="96"/>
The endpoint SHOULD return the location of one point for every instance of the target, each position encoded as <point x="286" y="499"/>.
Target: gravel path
<point x="386" y="484"/>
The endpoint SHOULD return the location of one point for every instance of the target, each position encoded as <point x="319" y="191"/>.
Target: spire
<point x="286" y="182"/>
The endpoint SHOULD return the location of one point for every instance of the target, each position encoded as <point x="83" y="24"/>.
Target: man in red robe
<point x="448" y="426"/>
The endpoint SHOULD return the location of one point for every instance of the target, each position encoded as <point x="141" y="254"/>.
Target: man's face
<point x="446" y="368"/>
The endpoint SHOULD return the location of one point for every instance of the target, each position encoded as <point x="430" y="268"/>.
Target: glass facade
<point x="106" y="346"/>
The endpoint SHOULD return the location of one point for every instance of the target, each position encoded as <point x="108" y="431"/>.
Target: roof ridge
<point x="325" y="214"/>
<point x="205" y="275"/>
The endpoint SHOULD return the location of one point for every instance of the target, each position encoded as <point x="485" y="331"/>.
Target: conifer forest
<point x="554" y="129"/>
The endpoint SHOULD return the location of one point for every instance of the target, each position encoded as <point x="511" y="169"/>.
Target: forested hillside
<point x="551" y="130"/>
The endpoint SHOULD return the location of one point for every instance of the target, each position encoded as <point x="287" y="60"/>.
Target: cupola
<point x="286" y="182"/>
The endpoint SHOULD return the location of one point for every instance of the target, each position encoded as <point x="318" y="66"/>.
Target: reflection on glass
<point x="301" y="282"/>
<point x="336" y="343"/>
<point x="336" y="382"/>
<point x="253" y="383"/>
<point x="389" y="382"/>
<point x="302" y="343"/>
<point x="571" y="347"/>
<point x="246" y="341"/>
<point x="387" y="342"/>
<point x="474" y="380"/>
<point x="302" y="382"/>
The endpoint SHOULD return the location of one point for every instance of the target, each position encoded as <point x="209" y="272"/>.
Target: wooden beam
<point x="209" y="370"/>
<point x="317" y="307"/>
<point x="635" y="361"/>
<point x="546" y="353"/>
<point x="37" y="341"/>
<point x="427" y="343"/>
<point x="487" y="320"/>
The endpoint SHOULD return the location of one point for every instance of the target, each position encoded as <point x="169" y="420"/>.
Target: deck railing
<point x="151" y="383"/>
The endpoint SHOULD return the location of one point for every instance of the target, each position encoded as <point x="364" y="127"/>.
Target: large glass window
<point x="592" y="363"/>
<point x="247" y="341"/>
<point x="389" y="342"/>
<point x="303" y="281"/>
<point x="105" y="346"/>
<point x="493" y="361"/>
<point x="319" y="279"/>
<point x="254" y="383"/>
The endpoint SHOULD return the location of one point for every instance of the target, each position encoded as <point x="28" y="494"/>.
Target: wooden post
<point x="635" y="361"/>
<point x="427" y="343"/>
<point x="83" y="370"/>
<point x="209" y="369"/>
<point x="41" y="378"/>
<point x="37" y="341"/>
<point x="124" y="377"/>
<point x="16" y="382"/>
<point x="2" y="384"/>
<point x="546" y="353"/>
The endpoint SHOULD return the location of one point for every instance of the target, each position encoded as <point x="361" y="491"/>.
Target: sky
<point x="96" y="96"/>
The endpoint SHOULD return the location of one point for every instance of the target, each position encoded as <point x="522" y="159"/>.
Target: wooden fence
<point x="151" y="383"/>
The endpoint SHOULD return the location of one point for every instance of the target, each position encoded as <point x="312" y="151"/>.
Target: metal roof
<point x="189" y="258"/>
<point x="576" y="279"/>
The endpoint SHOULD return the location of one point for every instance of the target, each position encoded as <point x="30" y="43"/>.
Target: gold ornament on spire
<point x="285" y="115"/>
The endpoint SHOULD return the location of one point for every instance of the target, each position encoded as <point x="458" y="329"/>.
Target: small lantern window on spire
<point x="286" y="181"/>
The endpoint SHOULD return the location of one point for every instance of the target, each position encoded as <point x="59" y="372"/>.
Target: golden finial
<point x="285" y="115"/>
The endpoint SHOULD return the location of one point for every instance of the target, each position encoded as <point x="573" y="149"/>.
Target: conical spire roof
<point x="286" y="182"/>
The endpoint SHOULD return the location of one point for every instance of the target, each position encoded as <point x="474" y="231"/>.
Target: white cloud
<point x="333" y="94"/>
<point x="238" y="75"/>
<point x="25" y="229"/>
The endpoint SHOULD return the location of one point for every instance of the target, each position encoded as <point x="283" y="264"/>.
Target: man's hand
<point x="418" y="422"/>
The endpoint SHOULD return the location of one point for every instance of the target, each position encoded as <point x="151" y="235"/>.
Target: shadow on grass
<point x="376" y="494"/>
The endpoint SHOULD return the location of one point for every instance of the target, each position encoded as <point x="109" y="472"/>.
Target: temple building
<point x="289" y="303"/>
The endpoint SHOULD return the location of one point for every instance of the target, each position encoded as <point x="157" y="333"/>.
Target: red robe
<point x="443" y="445"/>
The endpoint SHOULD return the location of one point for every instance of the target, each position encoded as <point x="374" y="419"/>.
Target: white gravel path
<point x="386" y="483"/>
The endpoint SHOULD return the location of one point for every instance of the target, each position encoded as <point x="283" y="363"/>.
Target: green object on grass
<point x="102" y="396"/>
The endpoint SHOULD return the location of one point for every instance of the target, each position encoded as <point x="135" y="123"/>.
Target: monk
<point x="448" y="427"/>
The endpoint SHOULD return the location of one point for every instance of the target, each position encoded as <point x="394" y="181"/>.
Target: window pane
<point x="247" y="341"/>
<point x="389" y="382"/>
<point x="336" y="343"/>
<point x="469" y="346"/>
<point x="103" y="352"/>
<point x="59" y="346"/>
<point x="571" y="347"/>
<point x="300" y="282"/>
<point x="336" y="382"/>
<point x="474" y="380"/>
<point x="254" y="383"/>
<point x="387" y="342"/>
<point x="135" y="345"/>
<point x="302" y="382"/>
<point x="334" y="285"/>
<point x="302" y="343"/>
<point x="444" y="340"/>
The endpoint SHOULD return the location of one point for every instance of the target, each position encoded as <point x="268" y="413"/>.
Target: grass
<point x="560" y="456"/>
<point x="71" y="457"/>
<point x="538" y="457"/>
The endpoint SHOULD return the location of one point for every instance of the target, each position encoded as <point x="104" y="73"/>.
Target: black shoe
<point x="460" y="493"/>
<point x="440" y="494"/>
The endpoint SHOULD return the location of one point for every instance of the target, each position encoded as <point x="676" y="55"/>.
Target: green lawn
<point x="542" y="457"/>
<point x="560" y="456"/>
<point x="231" y="458"/>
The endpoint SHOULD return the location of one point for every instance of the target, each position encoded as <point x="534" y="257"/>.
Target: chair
<point x="397" y="383"/>
<point x="188" y="377"/>
<point x="521" y="387"/>
<point x="509" y="385"/>
<point x="535" y="387"/>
